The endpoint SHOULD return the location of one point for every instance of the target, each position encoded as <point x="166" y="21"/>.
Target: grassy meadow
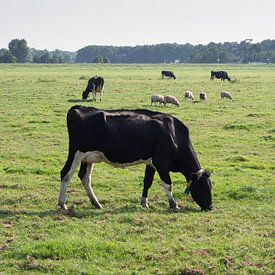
<point x="234" y="140"/>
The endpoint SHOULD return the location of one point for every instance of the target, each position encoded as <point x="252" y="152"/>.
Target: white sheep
<point x="189" y="95"/>
<point x="171" y="99"/>
<point x="157" y="98"/>
<point x="203" y="96"/>
<point x="226" y="95"/>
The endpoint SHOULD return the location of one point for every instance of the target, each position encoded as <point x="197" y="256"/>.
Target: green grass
<point x="234" y="140"/>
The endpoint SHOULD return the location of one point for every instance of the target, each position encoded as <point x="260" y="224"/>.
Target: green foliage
<point x="98" y="59"/>
<point x="234" y="140"/>
<point x="228" y="52"/>
<point x="19" y="48"/>
<point x="167" y="53"/>
<point x="6" y="56"/>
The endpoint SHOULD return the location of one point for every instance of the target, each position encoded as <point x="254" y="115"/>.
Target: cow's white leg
<point x="66" y="179"/>
<point x="168" y="189"/>
<point x="86" y="181"/>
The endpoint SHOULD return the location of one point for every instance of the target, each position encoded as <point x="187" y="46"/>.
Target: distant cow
<point x="168" y="74"/>
<point x="220" y="74"/>
<point x="95" y="85"/>
<point x="128" y="137"/>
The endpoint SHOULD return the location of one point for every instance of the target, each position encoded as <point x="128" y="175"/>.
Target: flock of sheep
<point x="188" y="95"/>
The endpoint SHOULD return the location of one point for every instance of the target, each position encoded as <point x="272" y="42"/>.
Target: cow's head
<point x="201" y="190"/>
<point x="85" y="95"/>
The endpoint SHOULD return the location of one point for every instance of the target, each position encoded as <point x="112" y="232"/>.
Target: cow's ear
<point x="207" y="174"/>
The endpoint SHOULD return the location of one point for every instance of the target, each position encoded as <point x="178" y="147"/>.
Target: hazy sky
<point x="73" y="24"/>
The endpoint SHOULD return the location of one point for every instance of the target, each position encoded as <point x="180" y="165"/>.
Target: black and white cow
<point x="220" y="74"/>
<point x="95" y="85"/>
<point x="168" y="74"/>
<point x="129" y="137"/>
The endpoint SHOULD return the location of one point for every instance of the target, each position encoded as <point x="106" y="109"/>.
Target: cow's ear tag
<point x="187" y="191"/>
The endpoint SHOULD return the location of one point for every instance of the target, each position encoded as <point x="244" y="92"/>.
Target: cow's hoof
<point x="144" y="202"/>
<point x="173" y="204"/>
<point x="98" y="205"/>
<point x="62" y="207"/>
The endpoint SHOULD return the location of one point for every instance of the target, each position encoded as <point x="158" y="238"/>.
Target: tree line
<point x="228" y="52"/>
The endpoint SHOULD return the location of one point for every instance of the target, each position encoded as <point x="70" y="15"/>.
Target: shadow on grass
<point x="79" y="100"/>
<point x="12" y="213"/>
<point x="92" y="212"/>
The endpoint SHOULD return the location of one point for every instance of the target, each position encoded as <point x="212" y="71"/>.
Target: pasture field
<point x="234" y="140"/>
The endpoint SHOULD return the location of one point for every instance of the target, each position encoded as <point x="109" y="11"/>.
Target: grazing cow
<point x="226" y="95"/>
<point x="168" y="74"/>
<point x="128" y="137"/>
<point x="95" y="85"/>
<point x="203" y="96"/>
<point x="157" y="98"/>
<point x="220" y="74"/>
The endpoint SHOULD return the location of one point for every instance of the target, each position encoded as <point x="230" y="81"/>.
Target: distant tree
<point x="98" y="59"/>
<point x="106" y="60"/>
<point x="46" y="57"/>
<point x="19" y="49"/>
<point x="6" y="56"/>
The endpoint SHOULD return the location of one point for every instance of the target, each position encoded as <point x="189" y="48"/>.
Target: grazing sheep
<point x="157" y="98"/>
<point x="189" y="95"/>
<point x="171" y="99"/>
<point x="203" y="96"/>
<point x="226" y="95"/>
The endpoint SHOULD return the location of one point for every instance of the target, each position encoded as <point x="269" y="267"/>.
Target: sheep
<point x="189" y="95"/>
<point x="171" y="99"/>
<point x="157" y="98"/>
<point x="226" y="95"/>
<point x="203" y="96"/>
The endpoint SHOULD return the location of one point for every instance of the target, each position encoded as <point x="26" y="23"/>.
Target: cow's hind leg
<point x="94" y="95"/>
<point x="85" y="177"/>
<point x="166" y="183"/>
<point x="101" y="92"/>
<point x="148" y="180"/>
<point x="66" y="175"/>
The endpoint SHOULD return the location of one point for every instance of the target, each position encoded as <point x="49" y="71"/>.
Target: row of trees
<point x="228" y="52"/>
<point x="19" y="52"/>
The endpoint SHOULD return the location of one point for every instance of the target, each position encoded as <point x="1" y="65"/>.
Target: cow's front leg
<point x="167" y="184"/>
<point x="85" y="177"/>
<point x="148" y="180"/>
<point x="168" y="188"/>
<point x="66" y="175"/>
